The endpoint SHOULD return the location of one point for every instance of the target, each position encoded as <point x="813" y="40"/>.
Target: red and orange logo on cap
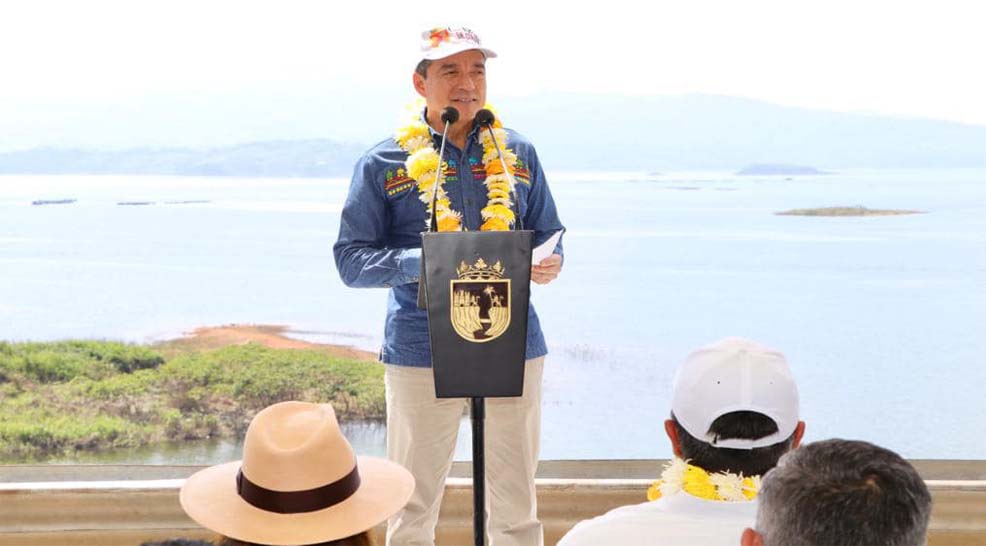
<point x="438" y="36"/>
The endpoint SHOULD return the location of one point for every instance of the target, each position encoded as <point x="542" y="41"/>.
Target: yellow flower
<point x="495" y="224"/>
<point x="654" y="491"/>
<point x="487" y="141"/>
<point x="422" y="161"/>
<point x="493" y="168"/>
<point x="498" y="211"/>
<point x="510" y="158"/>
<point x="751" y="486"/>
<point x="698" y="484"/>
<point x="498" y="181"/>
<point x="489" y="154"/>
<point x="499" y="201"/>
<point x="498" y="192"/>
<point x="449" y="223"/>
<point x="678" y="475"/>
<point x="417" y="143"/>
<point x="426" y="181"/>
<point x="410" y="132"/>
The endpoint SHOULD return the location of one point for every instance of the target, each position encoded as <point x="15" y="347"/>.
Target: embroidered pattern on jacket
<point x="398" y="181"/>
<point x="521" y="174"/>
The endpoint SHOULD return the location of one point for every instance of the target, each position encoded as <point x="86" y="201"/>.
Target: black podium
<point x="477" y="292"/>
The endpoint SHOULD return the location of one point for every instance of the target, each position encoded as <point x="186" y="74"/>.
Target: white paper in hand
<point x="546" y="248"/>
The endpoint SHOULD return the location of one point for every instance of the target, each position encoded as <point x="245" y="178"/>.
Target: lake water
<point x="882" y="318"/>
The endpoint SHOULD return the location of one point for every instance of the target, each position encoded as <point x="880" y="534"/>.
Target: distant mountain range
<point x="302" y="158"/>
<point x="323" y="133"/>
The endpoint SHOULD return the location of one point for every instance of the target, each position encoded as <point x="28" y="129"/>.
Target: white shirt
<point x="676" y="520"/>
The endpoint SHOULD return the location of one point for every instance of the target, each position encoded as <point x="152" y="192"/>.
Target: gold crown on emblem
<point x="480" y="270"/>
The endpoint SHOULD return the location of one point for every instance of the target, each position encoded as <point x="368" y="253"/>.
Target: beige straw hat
<point x="299" y="482"/>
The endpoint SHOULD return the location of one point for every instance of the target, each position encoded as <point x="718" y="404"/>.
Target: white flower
<point x="728" y="486"/>
<point x="417" y="143"/>
<point x="673" y="477"/>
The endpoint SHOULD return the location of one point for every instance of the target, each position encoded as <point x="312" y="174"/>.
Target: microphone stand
<point x="477" y="415"/>
<point x="449" y="115"/>
<point x="478" y="403"/>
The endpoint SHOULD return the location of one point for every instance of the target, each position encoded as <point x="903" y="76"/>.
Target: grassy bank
<point x="67" y="396"/>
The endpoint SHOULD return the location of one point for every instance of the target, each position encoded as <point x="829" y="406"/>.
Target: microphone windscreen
<point x="450" y="115"/>
<point x="483" y="117"/>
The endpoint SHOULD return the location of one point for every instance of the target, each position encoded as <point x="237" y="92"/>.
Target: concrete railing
<point x="111" y="506"/>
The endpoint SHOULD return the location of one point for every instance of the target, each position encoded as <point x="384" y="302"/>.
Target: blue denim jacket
<point x="379" y="241"/>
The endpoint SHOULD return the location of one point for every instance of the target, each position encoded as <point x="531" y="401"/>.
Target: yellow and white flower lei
<point x="422" y="166"/>
<point x="678" y="476"/>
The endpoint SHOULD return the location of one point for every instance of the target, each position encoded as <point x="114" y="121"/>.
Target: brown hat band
<point x="293" y="502"/>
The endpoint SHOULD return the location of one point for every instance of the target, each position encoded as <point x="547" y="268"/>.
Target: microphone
<point x="485" y="118"/>
<point x="449" y="116"/>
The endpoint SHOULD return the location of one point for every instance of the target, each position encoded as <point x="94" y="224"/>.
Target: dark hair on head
<point x="746" y="425"/>
<point x="843" y="493"/>
<point x="422" y="68"/>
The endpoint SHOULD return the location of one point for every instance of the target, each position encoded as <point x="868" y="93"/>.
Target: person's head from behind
<point x="735" y="408"/>
<point x="299" y="483"/>
<point x="841" y="493"/>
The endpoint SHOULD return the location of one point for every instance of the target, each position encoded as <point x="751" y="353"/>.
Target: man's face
<point x="457" y="80"/>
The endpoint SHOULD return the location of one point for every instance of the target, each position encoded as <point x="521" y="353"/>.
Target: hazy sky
<point x="915" y="59"/>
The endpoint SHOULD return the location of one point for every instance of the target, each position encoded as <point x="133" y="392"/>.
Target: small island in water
<point x="858" y="210"/>
<point x="776" y="169"/>
<point x="38" y="202"/>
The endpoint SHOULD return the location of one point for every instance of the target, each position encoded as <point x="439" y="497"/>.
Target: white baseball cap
<point x="735" y="374"/>
<point x="439" y="43"/>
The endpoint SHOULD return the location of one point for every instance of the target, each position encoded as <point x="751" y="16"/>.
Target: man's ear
<point x="672" y="432"/>
<point x="751" y="538"/>
<point x="419" y="83"/>
<point x="799" y="432"/>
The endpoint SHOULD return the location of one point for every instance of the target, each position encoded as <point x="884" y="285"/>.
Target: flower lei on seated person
<point x="422" y="166"/>
<point x="678" y="476"/>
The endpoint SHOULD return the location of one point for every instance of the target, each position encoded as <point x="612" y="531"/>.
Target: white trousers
<point x="421" y="436"/>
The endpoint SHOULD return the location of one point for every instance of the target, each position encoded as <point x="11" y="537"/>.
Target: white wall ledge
<point x="126" y="512"/>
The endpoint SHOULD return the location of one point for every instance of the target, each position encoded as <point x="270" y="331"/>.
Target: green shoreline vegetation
<point x="68" y="396"/>
<point x="846" y="211"/>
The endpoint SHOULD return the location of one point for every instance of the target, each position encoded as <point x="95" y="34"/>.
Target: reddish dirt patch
<point x="273" y="336"/>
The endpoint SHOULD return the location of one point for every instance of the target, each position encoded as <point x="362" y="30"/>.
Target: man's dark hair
<point x="422" y="68"/>
<point x="746" y="425"/>
<point x="843" y="493"/>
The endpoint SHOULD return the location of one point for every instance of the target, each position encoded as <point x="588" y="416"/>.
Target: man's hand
<point x="547" y="270"/>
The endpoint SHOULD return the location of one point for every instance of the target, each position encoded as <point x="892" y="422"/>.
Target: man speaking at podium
<point x="391" y="201"/>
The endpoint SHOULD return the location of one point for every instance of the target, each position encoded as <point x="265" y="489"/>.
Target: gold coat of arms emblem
<point x="480" y="310"/>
